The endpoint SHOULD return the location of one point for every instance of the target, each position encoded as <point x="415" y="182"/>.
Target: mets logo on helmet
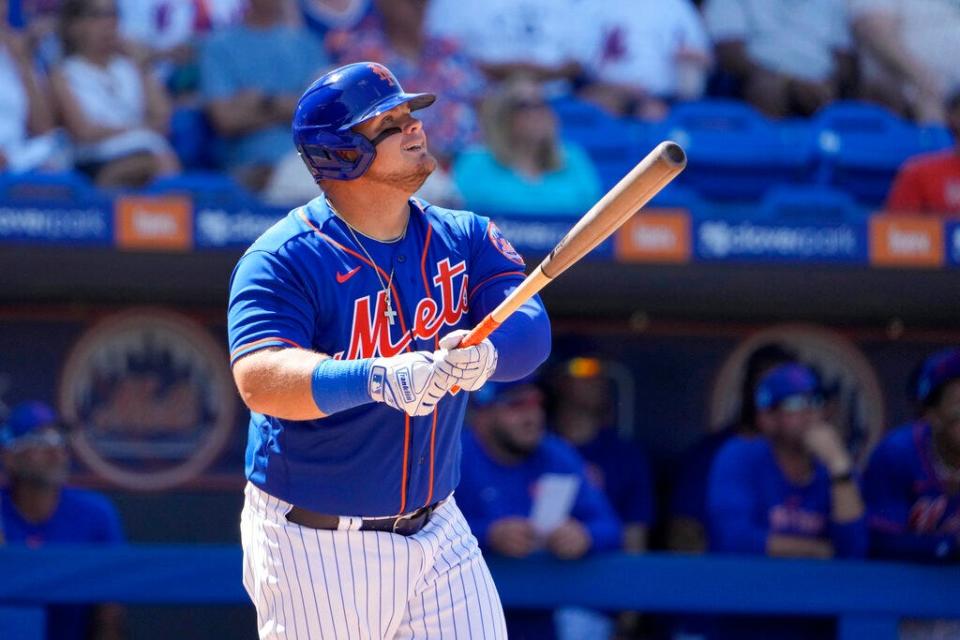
<point x="382" y="72"/>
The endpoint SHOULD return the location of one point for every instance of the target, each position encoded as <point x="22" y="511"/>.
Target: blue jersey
<point x="749" y="499"/>
<point x="306" y="283"/>
<point x="491" y="491"/>
<point x="81" y="517"/>
<point x="911" y="514"/>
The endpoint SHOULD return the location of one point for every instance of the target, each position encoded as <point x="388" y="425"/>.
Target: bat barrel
<point x="673" y="153"/>
<point x="634" y="190"/>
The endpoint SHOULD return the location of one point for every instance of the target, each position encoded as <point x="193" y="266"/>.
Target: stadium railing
<point x="867" y="598"/>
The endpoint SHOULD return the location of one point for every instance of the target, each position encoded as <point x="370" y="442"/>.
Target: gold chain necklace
<point x="389" y="313"/>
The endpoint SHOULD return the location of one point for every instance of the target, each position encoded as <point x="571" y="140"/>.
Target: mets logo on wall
<point x="150" y="397"/>
<point x="854" y="398"/>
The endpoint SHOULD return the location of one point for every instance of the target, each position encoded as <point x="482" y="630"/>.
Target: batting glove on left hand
<point x="470" y="367"/>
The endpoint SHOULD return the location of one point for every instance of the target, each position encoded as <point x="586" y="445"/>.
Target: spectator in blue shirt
<point x="505" y="455"/>
<point x="251" y="77"/>
<point x="525" y="167"/>
<point x="912" y="480"/>
<point x="788" y="492"/>
<point x="36" y="509"/>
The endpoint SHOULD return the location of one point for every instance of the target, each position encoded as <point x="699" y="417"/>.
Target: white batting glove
<point x="409" y="382"/>
<point x="470" y="367"/>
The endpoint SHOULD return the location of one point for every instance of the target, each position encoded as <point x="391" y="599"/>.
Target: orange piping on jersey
<point x="499" y="275"/>
<point x="436" y="345"/>
<point x="406" y="456"/>
<point x="244" y="347"/>
<point x="366" y="261"/>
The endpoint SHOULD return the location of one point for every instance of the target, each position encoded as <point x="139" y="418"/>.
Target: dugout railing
<point x="867" y="598"/>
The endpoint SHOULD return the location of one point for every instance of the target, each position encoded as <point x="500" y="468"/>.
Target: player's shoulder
<point x="559" y="454"/>
<point x="903" y="438"/>
<point x="457" y="221"/>
<point x="298" y="225"/>
<point x="86" y="504"/>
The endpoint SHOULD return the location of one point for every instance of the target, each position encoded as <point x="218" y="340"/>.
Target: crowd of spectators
<point x="127" y="91"/>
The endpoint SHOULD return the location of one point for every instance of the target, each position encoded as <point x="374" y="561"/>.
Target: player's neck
<point x="35" y="502"/>
<point x="380" y="214"/>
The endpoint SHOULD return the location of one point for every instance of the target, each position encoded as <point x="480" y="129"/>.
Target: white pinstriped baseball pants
<point x="311" y="584"/>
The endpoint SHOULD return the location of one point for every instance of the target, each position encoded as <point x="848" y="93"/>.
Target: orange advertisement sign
<point x="655" y="235"/>
<point x="906" y="241"/>
<point x="162" y="223"/>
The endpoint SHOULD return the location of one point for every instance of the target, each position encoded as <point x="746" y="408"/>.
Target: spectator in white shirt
<point x="541" y="39"/>
<point x="791" y="56"/>
<point x="114" y="109"/>
<point x="647" y="55"/>
<point x="910" y="51"/>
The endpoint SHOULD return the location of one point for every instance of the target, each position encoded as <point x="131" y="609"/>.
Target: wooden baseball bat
<point x="633" y="191"/>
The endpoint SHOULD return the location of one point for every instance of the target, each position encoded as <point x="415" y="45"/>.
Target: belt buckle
<point x="400" y="519"/>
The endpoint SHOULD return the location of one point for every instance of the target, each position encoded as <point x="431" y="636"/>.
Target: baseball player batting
<point x="344" y="324"/>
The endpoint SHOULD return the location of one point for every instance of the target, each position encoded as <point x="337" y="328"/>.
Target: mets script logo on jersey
<point x="503" y="245"/>
<point x="370" y="331"/>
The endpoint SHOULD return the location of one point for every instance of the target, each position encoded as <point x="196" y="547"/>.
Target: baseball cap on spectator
<point x="493" y="393"/>
<point x="25" y="423"/>
<point x="788" y="386"/>
<point x="936" y="371"/>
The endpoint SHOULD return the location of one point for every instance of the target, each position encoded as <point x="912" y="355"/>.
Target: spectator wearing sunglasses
<point x="525" y="167"/>
<point x="788" y="492"/>
<point x="37" y="509"/>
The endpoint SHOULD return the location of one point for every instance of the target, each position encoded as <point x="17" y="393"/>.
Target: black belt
<point x="405" y="525"/>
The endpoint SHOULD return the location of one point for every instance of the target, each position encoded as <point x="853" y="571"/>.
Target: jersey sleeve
<point x="523" y="340"/>
<point x="268" y="306"/>
<point x="108" y="529"/>
<point x="493" y="258"/>
<point x="733" y="506"/>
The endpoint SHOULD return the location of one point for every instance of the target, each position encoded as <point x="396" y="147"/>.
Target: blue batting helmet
<point x="334" y="104"/>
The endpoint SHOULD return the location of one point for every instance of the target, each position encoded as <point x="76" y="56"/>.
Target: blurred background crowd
<point x="842" y="106"/>
<point x="543" y="104"/>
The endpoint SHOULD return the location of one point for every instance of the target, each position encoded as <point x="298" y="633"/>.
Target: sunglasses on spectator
<point x="800" y="403"/>
<point x="44" y="438"/>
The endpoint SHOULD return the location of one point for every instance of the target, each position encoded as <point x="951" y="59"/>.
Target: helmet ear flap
<point x="344" y="156"/>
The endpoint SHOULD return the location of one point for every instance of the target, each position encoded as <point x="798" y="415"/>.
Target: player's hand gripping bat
<point x="633" y="191"/>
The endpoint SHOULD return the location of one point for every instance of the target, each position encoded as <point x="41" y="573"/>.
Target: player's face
<point x="97" y="30"/>
<point x="40" y="458"/>
<point x="402" y="158"/>
<point x="519" y="421"/>
<point x="789" y="421"/>
<point x="945" y="417"/>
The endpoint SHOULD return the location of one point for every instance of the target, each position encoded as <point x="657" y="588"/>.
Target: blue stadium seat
<point x="193" y="138"/>
<point x="206" y="187"/>
<point x="68" y="187"/>
<point x="734" y="152"/>
<point x="861" y="146"/>
<point x="809" y="204"/>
